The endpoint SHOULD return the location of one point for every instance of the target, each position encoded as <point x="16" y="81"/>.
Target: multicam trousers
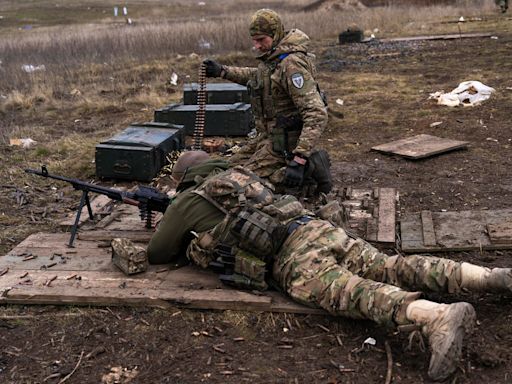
<point x="257" y="156"/>
<point x="320" y="265"/>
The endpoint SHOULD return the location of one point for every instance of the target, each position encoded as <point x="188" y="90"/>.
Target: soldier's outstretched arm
<point x="304" y="92"/>
<point x="240" y="75"/>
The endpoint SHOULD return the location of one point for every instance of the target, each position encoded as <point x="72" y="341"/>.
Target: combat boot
<point x="482" y="279"/>
<point x="445" y="325"/>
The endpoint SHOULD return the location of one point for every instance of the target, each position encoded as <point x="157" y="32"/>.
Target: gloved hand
<point x="294" y="174"/>
<point x="213" y="69"/>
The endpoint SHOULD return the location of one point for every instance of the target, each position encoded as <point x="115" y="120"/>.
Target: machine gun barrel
<point x="147" y="199"/>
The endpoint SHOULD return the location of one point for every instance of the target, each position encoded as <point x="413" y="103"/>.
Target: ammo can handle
<point x="122" y="169"/>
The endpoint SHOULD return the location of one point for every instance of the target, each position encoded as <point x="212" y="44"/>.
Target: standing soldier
<point x="287" y="104"/>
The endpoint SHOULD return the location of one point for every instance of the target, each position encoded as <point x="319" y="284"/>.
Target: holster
<point x="286" y="133"/>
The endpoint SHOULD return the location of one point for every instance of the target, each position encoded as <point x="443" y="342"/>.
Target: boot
<point x="476" y="278"/>
<point x="445" y="325"/>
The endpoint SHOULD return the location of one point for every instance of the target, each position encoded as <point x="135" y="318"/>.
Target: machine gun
<point x="147" y="199"/>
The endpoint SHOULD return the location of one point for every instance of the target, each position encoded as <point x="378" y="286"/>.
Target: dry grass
<point x="110" y="68"/>
<point x="66" y="48"/>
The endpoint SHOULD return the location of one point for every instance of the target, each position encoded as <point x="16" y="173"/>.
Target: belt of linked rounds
<point x="201" y="110"/>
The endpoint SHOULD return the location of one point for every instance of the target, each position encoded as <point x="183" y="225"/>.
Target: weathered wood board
<point x="438" y="37"/>
<point x="456" y="231"/>
<point x="420" y="146"/>
<point x="108" y="213"/>
<point x="99" y="204"/>
<point x="371" y="213"/>
<point x="43" y="270"/>
<point x="500" y="233"/>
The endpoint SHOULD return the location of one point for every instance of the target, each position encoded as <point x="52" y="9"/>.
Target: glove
<point x="294" y="174"/>
<point x="213" y="69"/>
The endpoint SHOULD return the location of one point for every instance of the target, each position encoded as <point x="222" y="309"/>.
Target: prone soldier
<point x="231" y="221"/>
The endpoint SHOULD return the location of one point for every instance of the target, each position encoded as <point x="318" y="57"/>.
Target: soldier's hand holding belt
<point x="294" y="174"/>
<point x="213" y="69"/>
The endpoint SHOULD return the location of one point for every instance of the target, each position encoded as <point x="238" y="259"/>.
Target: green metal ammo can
<point x="138" y="152"/>
<point x="217" y="93"/>
<point x="220" y="119"/>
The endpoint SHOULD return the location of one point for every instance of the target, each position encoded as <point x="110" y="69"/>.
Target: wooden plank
<point x="372" y="229"/>
<point x="203" y="299"/>
<point x="387" y="213"/>
<point x="438" y="37"/>
<point x="107" y="292"/>
<point x="500" y="233"/>
<point x="188" y="277"/>
<point x="187" y="287"/>
<point x="454" y="231"/>
<point x="50" y="250"/>
<point x="86" y="259"/>
<point x="150" y="283"/>
<point x="420" y="146"/>
<point x="98" y="204"/>
<point x="139" y="236"/>
<point x="411" y="232"/>
<point x="371" y="213"/>
<point x="56" y="241"/>
<point x="427" y="224"/>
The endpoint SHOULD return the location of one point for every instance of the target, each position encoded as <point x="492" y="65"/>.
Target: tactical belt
<point x="297" y="223"/>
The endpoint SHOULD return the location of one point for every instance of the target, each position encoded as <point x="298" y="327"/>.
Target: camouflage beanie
<point x="267" y="22"/>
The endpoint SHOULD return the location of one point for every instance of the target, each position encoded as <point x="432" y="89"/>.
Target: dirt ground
<point x="385" y="87"/>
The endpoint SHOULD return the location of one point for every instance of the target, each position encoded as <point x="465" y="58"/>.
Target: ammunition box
<point x="139" y="152"/>
<point x="216" y="93"/>
<point x="351" y="36"/>
<point x="220" y="119"/>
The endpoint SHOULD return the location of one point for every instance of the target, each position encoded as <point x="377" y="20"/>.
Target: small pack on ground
<point x="128" y="257"/>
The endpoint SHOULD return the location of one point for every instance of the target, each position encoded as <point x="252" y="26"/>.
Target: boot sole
<point x="464" y="317"/>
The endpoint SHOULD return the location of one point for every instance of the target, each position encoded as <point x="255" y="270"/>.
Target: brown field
<point x="101" y="74"/>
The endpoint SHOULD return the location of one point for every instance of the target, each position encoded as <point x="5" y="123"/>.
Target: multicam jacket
<point x="284" y="85"/>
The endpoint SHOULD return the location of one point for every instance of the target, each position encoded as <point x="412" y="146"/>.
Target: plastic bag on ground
<point x="468" y="93"/>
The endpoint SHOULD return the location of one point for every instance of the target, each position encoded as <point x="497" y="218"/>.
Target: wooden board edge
<point x="386" y="225"/>
<point x="427" y="228"/>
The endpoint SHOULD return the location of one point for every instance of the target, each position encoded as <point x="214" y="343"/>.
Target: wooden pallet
<point x="456" y="231"/>
<point x="371" y="213"/>
<point x="42" y="269"/>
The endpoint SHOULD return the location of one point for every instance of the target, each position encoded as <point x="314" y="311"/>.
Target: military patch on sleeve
<point x="298" y="80"/>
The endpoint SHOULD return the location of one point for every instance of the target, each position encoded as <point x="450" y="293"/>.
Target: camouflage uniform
<point x="318" y="264"/>
<point x="282" y="88"/>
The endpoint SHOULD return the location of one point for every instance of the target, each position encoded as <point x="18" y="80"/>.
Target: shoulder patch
<point x="298" y="80"/>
